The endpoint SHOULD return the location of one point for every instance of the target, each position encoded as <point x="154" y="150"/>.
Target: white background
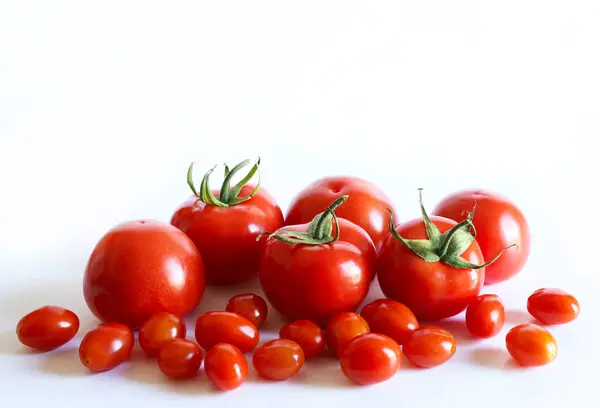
<point x="102" y="108"/>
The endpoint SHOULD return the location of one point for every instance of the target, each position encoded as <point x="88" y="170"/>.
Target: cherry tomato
<point x="307" y="334"/>
<point x="278" y="359"/>
<point x="180" y="359"/>
<point x="553" y="306"/>
<point x="140" y="268"/>
<point x="386" y="316"/>
<point x="106" y="346"/>
<point x="225" y="366"/>
<point x="429" y="346"/>
<point x="342" y="328"/>
<point x="47" y="328"/>
<point x="485" y="316"/>
<point x="159" y="330"/>
<point x="250" y="306"/>
<point x="531" y="345"/>
<point x="226" y="327"/>
<point x="371" y="358"/>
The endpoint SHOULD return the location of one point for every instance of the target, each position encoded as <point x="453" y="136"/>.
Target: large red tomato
<point x="140" y="268"/>
<point x="224" y="226"/>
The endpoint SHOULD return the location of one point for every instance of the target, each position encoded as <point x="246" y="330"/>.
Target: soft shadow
<point x="10" y="344"/>
<point x="517" y="316"/>
<point x="458" y="328"/>
<point x="493" y="358"/>
<point x="323" y="372"/>
<point x="63" y="362"/>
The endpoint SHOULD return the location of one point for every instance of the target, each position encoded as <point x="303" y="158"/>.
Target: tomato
<point x="225" y="366"/>
<point x="47" y="328"/>
<point x="106" y="346"/>
<point x="386" y="316"/>
<point x="531" y="345"/>
<point x="553" y="306"/>
<point x="159" y="330"/>
<point x="140" y="268"/>
<point x="250" y="306"/>
<point x="226" y="327"/>
<point x="224" y="225"/>
<point x="278" y="359"/>
<point x="499" y="224"/>
<point x="180" y="359"/>
<point x="342" y="328"/>
<point x="429" y="346"/>
<point x="371" y="358"/>
<point x="307" y="334"/>
<point x="485" y="316"/>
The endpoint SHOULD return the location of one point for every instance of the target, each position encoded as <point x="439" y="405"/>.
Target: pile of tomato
<point x="315" y="266"/>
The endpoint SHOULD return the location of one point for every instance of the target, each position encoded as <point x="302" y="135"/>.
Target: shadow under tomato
<point x="324" y="372"/>
<point x="493" y="357"/>
<point x="63" y="362"/>
<point x="458" y="328"/>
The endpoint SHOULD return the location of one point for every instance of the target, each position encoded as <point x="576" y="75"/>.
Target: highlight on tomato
<point x="47" y="328"/>
<point x="106" y="346"/>
<point x="553" y="306"/>
<point x="485" y="316"/>
<point x="278" y="359"/>
<point x="430" y="346"/>
<point x="226" y="327"/>
<point x="225" y="366"/>
<point x="370" y="358"/>
<point x="531" y="345"/>
<point x="180" y="359"/>
<point x="250" y="306"/>
<point x="307" y="334"/>
<point x="395" y="320"/>
<point x="160" y="330"/>
<point x="342" y="329"/>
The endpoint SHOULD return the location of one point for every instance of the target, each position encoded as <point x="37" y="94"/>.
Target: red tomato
<point x="159" y="330"/>
<point x="278" y="359"/>
<point x="47" y="328"/>
<point x="386" y="316"/>
<point x="307" y="334"/>
<point x="485" y="316"/>
<point x="250" y="306"/>
<point x="429" y="347"/>
<point x="371" y="358"/>
<point x="225" y="366"/>
<point x="553" y="306"/>
<point x="226" y="327"/>
<point x="180" y="359"/>
<point x="106" y="346"/>
<point x="499" y="224"/>
<point x="140" y="268"/>
<point x="342" y="328"/>
<point x="224" y="226"/>
<point x="531" y="345"/>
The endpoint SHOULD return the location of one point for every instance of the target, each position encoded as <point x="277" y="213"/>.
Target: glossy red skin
<point x="485" y="316"/>
<point x="430" y="346"/>
<point x="432" y="290"/>
<point x="553" y="306"/>
<point x="226" y="327"/>
<point x="140" y="268"/>
<point x="250" y="306"/>
<point x="226" y="237"/>
<point x="160" y="330"/>
<point x="180" y="359"/>
<point x="225" y="366"/>
<point x="342" y="329"/>
<point x="367" y="205"/>
<point x="47" y="328"/>
<point x="395" y="320"/>
<point x="371" y="358"/>
<point x="531" y="345"/>
<point x="106" y="346"/>
<point x="499" y="223"/>
<point x="278" y="359"/>
<point x="307" y="334"/>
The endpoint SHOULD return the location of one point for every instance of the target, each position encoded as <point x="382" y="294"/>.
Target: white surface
<point x="102" y="108"/>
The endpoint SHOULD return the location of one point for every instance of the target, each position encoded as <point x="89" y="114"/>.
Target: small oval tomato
<point x="226" y="327"/>
<point x="159" y="330"/>
<point x="106" y="346"/>
<point x="342" y="328"/>
<point x="180" y="359"/>
<point x="485" y="316"/>
<point x="278" y="359"/>
<point x="47" y="328"/>
<point x="307" y="334"/>
<point x="430" y="346"/>
<point x="553" y="306"/>
<point x="225" y="366"/>
<point x="386" y="316"/>
<point x="531" y="345"/>
<point x="250" y="306"/>
<point x="371" y="358"/>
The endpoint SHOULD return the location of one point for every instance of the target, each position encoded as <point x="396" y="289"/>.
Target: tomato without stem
<point x="371" y="358"/>
<point x="307" y="334"/>
<point x="342" y="328"/>
<point x="47" y="328"/>
<point x="278" y="359"/>
<point x="250" y="306"/>
<point x="225" y="366"/>
<point x="531" y="345"/>
<point x="386" y="316"/>
<point x="180" y="359"/>
<point x="553" y="306"/>
<point x="430" y="346"/>
<point x="106" y="346"/>
<point x="226" y="327"/>
<point x="485" y="316"/>
<point x="159" y="330"/>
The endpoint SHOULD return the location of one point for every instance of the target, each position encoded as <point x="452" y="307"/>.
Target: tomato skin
<point x="307" y="334"/>
<point x="250" y="306"/>
<point x="485" y="316"/>
<point x="430" y="346"/>
<point x="180" y="359"/>
<point x="226" y="327"/>
<point x="531" y="345"/>
<point x="553" y="306"/>
<point x="47" y="328"/>
<point x="342" y="328"/>
<point x="140" y="268"/>
<point x="159" y="330"/>
<point x="225" y="366"/>
<point x="499" y="223"/>
<point x="371" y="358"/>
<point x="395" y="320"/>
<point x="278" y="359"/>
<point x="106" y="346"/>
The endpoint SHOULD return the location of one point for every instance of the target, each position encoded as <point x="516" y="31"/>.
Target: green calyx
<point x="228" y="195"/>
<point x="447" y="247"/>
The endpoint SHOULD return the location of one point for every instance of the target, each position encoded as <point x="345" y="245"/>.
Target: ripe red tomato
<point x="140" y="268"/>
<point x="224" y="226"/>
<point x="307" y="334"/>
<point x="386" y="316"/>
<point x="159" y="330"/>
<point x="342" y="328"/>
<point x="429" y="347"/>
<point x="47" y="328"/>
<point x="180" y="359"/>
<point x="553" y="306"/>
<point x="371" y="358"/>
<point x="250" y="306"/>
<point x="499" y="224"/>
<point x="485" y="316"/>
<point x="106" y="346"/>
<point x="226" y="327"/>
<point x="278" y="359"/>
<point x="225" y="366"/>
<point x="531" y="345"/>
